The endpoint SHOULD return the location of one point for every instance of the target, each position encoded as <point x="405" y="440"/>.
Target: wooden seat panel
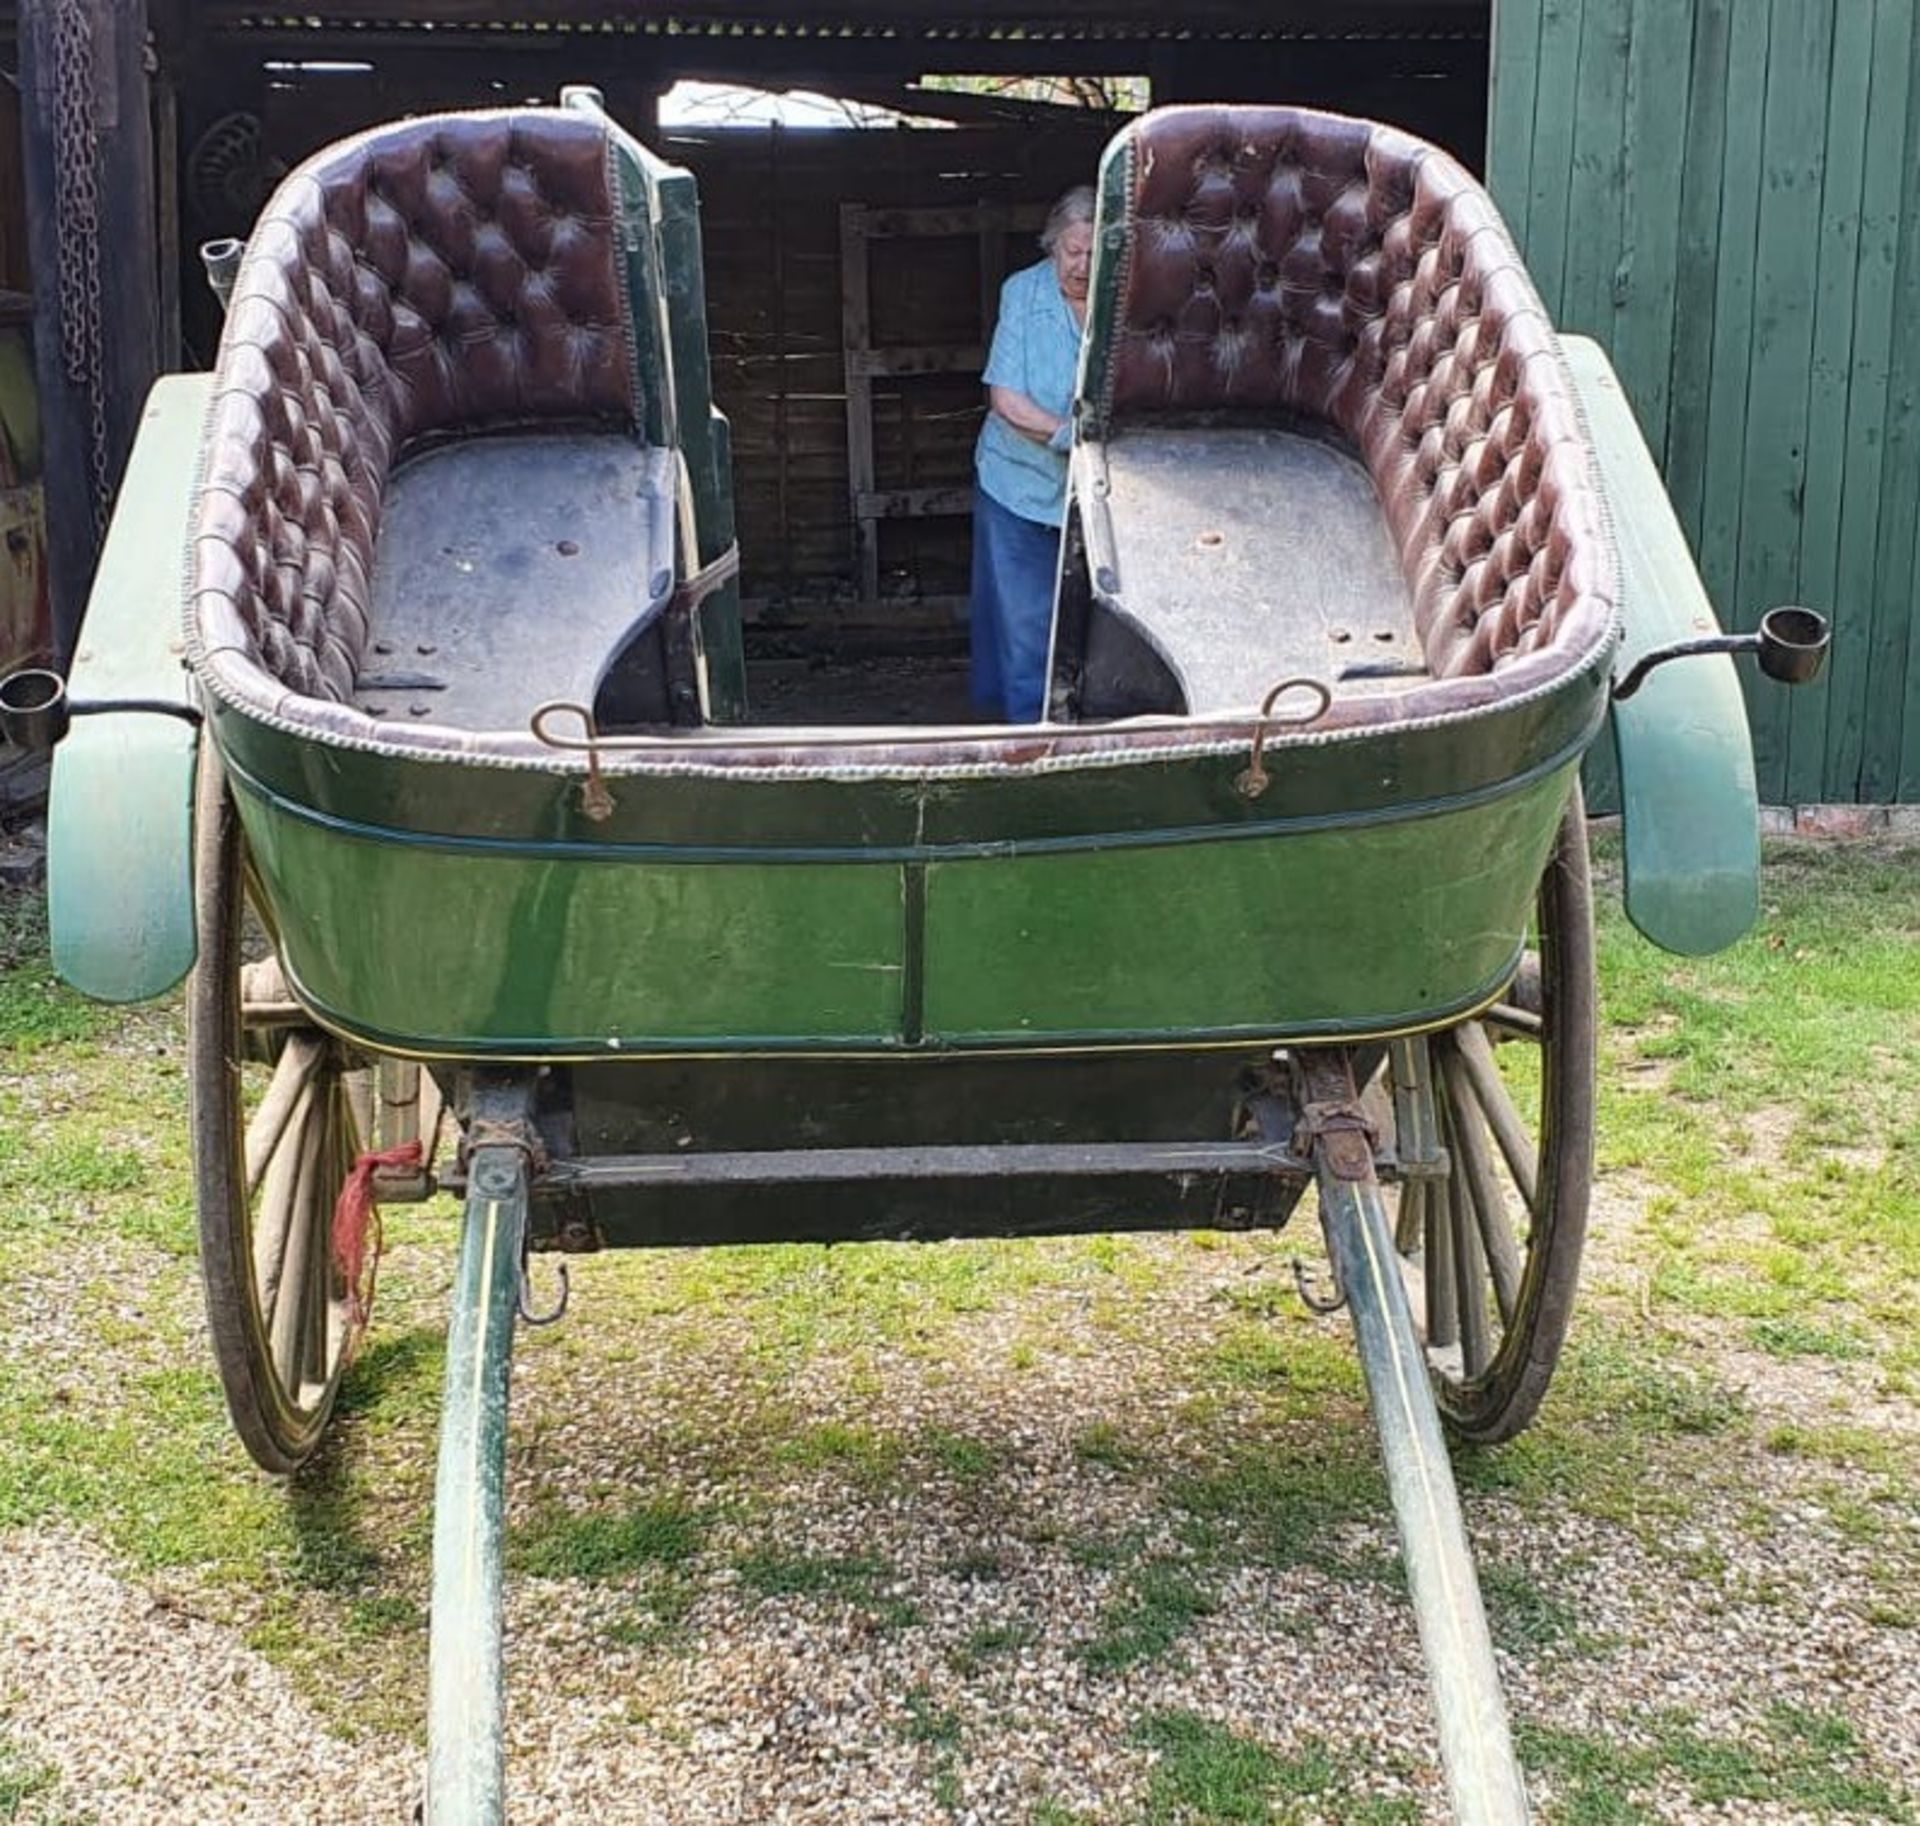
<point x="1251" y="554"/>
<point x="509" y="571"/>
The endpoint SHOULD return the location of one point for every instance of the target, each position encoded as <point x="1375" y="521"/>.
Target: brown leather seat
<point x="450" y="274"/>
<point x="1287" y="266"/>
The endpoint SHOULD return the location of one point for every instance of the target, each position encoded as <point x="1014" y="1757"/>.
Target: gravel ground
<point x="813" y="1709"/>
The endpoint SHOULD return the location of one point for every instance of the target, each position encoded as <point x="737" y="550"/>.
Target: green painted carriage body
<point x="1101" y="905"/>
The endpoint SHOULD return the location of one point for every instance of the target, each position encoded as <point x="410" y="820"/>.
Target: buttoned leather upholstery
<point x="1281" y="260"/>
<point x="447" y="274"/>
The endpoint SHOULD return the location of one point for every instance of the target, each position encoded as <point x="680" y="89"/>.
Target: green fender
<point x="1688" y="808"/>
<point x="120" y="816"/>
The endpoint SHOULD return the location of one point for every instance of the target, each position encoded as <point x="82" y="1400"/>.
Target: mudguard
<point x="120" y="816"/>
<point x="1688" y="808"/>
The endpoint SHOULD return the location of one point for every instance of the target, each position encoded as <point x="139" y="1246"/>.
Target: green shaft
<point x="466" y="1752"/>
<point x="1476" y="1745"/>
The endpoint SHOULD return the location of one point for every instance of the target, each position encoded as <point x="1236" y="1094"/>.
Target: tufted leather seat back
<point x="454" y="272"/>
<point x="1281" y="260"/>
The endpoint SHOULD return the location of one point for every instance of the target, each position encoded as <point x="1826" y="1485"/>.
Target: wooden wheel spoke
<point x="1518" y="1022"/>
<point x="1469" y="1279"/>
<point x="1503" y="1117"/>
<point x="1475" y="1176"/>
<point x="287" y="1324"/>
<point x="1407" y="1231"/>
<point x="279" y="1194"/>
<point x="1443" y="1328"/>
<point x="299" y="1059"/>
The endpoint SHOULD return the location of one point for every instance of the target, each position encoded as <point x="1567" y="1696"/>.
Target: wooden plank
<point x="1889" y="155"/>
<point x="1659" y="90"/>
<point x="782" y="431"/>
<point x="915" y="503"/>
<point x="1842" y="208"/>
<point x="1555" y="110"/>
<point x="1733" y="310"/>
<point x="1697" y="265"/>
<point x="993" y="271"/>
<point x="14" y="275"/>
<point x="884" y="224"/>
<point x="856" y="334"/>
<point x="894" y="362"/>
<point x="1890" y="764"/>
<point x="1595" y="186"/>
<point x="1510" y="103"/>
<point x="1892" y="621"/>
<point x="1019" y="19"/>
<point x="1773" y="472"/>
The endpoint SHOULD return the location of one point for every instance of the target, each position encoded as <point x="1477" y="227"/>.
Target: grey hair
<point x="1075" y="205"/>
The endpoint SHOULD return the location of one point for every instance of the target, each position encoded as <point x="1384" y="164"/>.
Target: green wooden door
<point x="1726" y="194"/>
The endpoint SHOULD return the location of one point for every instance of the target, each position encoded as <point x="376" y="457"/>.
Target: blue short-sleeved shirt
<point x="1036" y="351"/>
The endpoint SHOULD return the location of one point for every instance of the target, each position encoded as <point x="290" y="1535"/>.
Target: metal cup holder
<point x="33" y="708"/>
<point x="1790" y="642"/>
<point x="1793" y="644"/>
<point x="36" y="712"/>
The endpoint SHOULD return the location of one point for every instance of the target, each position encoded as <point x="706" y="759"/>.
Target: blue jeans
<point x="1016" y="563"/>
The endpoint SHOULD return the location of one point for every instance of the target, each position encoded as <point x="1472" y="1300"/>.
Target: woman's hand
<point x="1027" y="418"/>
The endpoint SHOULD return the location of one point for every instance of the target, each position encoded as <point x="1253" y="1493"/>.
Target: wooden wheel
<point x="1491" y="1253"/>
<point x="278" y="1115"/>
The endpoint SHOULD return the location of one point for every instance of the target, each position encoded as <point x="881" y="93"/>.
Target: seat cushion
<point x="448" y="274"/>
<point x="1279" y="261"/>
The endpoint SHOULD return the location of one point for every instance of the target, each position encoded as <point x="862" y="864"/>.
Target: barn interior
<point x="868" y="175"/>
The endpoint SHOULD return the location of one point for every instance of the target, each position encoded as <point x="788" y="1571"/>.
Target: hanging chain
<point x="76" y="205"/>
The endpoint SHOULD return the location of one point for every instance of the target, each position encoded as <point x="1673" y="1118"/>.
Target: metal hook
<point x="523" y="1300"/>
<point x="1255" y="780"/>
<point x="1306" y="1284"/>
<point x="595" y="800"/>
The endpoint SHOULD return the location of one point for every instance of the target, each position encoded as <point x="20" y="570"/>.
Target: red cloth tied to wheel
<point x="356" y="1227"/>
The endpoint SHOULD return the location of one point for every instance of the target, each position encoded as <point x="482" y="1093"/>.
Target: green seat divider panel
<point x="667" y="281"/>
<point x="120" y="819"/>
<point x="1689" y="813"/>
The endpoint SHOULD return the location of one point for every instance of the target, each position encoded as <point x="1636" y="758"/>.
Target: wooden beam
<point x="892" y="363"/>
<point x="88" y="149"/>
<point x="856" y="335"/>
<point x="885" y="224"/>
<point x="913" y="503"/>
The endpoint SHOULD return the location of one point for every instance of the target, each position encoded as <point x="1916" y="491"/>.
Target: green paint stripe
<point x="589" y="1050"/>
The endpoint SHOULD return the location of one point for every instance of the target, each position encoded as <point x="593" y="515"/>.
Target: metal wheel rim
<point x="276" y="1131"/>
<point x="1491" y="1261"/>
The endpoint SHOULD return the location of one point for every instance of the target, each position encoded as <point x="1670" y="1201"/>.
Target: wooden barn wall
<point x="770" y="204"/>
<point x="13" y="196"/>
<point x="1726" y="193"/>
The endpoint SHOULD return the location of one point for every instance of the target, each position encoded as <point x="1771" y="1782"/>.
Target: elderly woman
<point x="1020" y="465"/>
